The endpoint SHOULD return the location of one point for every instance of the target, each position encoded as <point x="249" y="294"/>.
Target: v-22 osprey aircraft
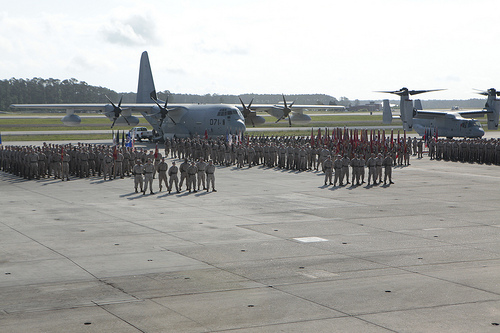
<point x="446" y="124"/>
<point x="182" y="120"/>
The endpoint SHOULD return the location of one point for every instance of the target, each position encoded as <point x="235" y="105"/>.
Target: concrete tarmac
<point x="271" y="251"/>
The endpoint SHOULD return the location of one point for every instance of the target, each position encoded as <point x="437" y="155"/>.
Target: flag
<point x="206" y="135"/>
<point x="117" y="138"/>
<point x="62" y="153"/>
<point x="123" y="139"/>
<point x="318" y="139"/>
<point x="156" y="151"/>
<point x="404" y="139"/>
<point x="115" y="153"/>
<point x="129" y="142"/>
<point x="0" y="138"/>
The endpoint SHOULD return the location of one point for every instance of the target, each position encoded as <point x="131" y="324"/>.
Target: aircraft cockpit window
<point x="226" y="112"/>
<point x="474" y="123"/>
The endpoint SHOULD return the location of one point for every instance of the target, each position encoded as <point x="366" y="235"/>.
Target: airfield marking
<point x="311" y="239"/>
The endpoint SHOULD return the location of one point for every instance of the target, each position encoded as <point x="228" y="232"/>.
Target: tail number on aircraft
<point x="217" y="122"/>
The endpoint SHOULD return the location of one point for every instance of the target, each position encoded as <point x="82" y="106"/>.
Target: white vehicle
<point x="141" y="133"/>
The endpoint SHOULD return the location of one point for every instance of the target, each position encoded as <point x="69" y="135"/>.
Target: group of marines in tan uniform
<point x="335" y="157"/>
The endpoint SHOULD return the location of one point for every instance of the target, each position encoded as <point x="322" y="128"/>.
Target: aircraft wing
<point x="465" y="114"/>
<point x="149" y="111"/>
<point x="474" y="113"/>
<point x="276" y="110"/>
<point x="428" y="114"/>
<point x="75" y="107"/>
<point x="82" y="107"/>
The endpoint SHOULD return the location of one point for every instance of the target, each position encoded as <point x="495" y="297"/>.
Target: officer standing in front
<point x="172" y="173"/>
<point x="328" y="167"/>
<point x="162" y="168"/>
<point x="137" y="171"/>
<point x="149" y="169"/>
<point x="210" y="170"/>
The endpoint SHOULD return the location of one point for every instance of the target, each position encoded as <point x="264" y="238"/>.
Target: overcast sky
<point x="340" y="48"/>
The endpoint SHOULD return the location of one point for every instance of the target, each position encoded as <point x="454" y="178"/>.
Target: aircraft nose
<point x="239" y="126"/>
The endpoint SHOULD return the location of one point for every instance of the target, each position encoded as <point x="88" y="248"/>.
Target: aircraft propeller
<point x="286" y="111"/>
<point x="117" y="110"/>
<point x="405" y="91"/>
<point x="163" y="111"/>
<point x="491" y="91"/>
<point x="247" y="112"/>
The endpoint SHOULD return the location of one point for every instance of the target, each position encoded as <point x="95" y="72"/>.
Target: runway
<point x="271" y="251"/>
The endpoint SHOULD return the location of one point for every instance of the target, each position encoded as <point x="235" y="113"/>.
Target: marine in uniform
<point x="201" y="166"/>
<point x="183" y="169"/>
<point x="387" y="163"/>
<point x="192" y="170"/>
<point x="172" y="173"/>
<point x="162" y="168"/>
<point x="149" y="169"/>
<point x="137" y="171"/>
<point x="210" y="171"/>
<point x="328" y="167"/>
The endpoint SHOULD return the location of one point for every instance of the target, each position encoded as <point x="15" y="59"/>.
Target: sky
<point x="340" y="48"/>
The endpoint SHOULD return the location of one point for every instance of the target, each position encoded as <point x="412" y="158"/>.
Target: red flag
<point x="115" y="153"/>
<point x="404" y="139"/>
<point x="62" y="153"/>
<point x="156" y="151"/>
<point x="318" y="140"/>
<point x="206" y="134"/>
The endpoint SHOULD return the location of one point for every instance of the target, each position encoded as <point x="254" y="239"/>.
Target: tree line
<point x="54" y="91"/>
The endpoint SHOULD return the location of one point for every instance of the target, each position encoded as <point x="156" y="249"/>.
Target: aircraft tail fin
<point x="387" y="112"/>
<point x="418" y="105"/>
<point x="493" y="105"/>
<point x="146" y="86"/>
<point x="407" y="113"/>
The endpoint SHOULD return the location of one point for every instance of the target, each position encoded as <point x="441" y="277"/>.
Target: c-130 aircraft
<point x="447" y="124"/>
<point x="182" y="120"/>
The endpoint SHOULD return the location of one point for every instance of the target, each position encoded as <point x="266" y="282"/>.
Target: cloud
<point x="132" y="31"/>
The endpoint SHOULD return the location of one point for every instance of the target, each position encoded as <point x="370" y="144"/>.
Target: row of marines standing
<point x="340" y="168"/>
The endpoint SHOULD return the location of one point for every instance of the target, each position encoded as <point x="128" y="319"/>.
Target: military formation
<point x="344" y="157"/>
<point x="481" y="151"/>
<point x="69" y="161"/>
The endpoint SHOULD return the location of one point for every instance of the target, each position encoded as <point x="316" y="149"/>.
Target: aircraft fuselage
<point x="198" y="119"/>
<point x="452" y="125"/>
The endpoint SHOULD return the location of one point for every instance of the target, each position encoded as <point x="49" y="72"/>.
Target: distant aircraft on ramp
<point x="447" y="124"/>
